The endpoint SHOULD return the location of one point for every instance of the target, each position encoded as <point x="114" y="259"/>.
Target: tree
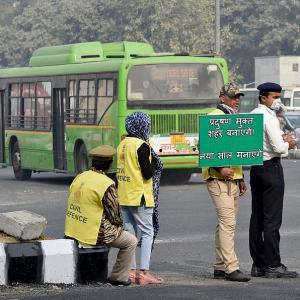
<point x="258" y="28"/>
<point x="170" y="25"/>
<point x="249" y="28"/>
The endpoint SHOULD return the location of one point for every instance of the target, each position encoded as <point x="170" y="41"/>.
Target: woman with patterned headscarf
<point x="139" y="169"/>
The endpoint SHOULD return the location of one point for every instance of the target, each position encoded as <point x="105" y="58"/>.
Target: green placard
<point x="230" y="140"/>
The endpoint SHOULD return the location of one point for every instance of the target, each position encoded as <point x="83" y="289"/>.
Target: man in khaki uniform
<point x="93" y="214"/>
<point x="225" y="186"/>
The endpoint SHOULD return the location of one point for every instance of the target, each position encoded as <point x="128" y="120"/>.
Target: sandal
<point x="144" y="279"/>
<point x="133" y="277"/>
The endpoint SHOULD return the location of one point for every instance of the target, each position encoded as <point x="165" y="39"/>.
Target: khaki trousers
<point x="225" y="196"/>
<point x="126" y="242"/>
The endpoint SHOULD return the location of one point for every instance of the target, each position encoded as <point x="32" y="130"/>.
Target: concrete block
<point x="3" y="268"/>
<point x="92" y="265"/>
<point x="25" y="261"/>
<point x="52" y="261"/>
<point x="24" y="225"/>
<point x="59" y="261"/>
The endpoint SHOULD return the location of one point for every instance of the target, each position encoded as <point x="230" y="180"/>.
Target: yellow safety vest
<point x="211" y="172"/>
<point x="131" y="184"/>
<point x="85" y="209"/>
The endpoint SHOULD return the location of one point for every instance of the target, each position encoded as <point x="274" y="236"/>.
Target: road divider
<point x="52" y="261"/>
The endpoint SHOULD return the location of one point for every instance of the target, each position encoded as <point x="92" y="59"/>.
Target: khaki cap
<point x="231" y="90"/>
<point x="104" y="151"/>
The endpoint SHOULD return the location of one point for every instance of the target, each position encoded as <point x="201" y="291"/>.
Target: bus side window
<point x="28" y="95"/>
<point x="83" y="100"/>
<point x="286" y="96"/>
<point x="104" y="96"/>
<point x="296" y="98"/>
<point x="286" y="101"/>
<point x="14" y="112"/>
<point x="28" y="113"/>
<point x="14" y="109"/>
<point x="70" y="107"/>
<point x="86" y="106"/>
<point x="43" y="113"/>
<point x="43" y="105"/>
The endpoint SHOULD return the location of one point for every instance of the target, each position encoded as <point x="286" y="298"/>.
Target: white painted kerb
<point x="3" y="270"/>
<point x="59" y="261"/>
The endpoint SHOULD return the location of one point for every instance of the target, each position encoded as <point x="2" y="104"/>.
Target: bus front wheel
<point x="81" y="159"/>
<point x="20" y="173"/>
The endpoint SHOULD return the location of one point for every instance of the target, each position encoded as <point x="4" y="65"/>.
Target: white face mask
<point x="277" y="105"/>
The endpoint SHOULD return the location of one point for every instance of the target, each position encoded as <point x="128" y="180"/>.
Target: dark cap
<point x="231" y="90"/>
<point x="269" y="87"/>
<point x="102" y="152"/>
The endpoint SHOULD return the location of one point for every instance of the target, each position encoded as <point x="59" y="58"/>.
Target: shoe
<point x="258" y="271"/>
<point x="218" y="274"/>
<point x="144" y="279"/>
<point x="237" y="275"/>
<point x="280" y="272"/>
<point x="119" y="283"/>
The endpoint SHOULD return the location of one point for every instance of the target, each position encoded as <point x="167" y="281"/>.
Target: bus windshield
<point x="174" y="84"/>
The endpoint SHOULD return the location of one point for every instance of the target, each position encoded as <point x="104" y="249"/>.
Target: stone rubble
<point x="23" y="225"/>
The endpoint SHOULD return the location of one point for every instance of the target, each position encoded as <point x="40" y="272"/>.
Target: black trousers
<point x="267" y="188"/>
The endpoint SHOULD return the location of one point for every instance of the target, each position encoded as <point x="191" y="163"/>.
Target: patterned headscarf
<point x="138" y="124"/>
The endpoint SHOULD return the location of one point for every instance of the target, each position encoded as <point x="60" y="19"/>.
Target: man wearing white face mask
<point x="267" y="188"/>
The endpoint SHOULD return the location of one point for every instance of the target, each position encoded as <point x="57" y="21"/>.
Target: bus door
<point x="59" y="100"/>
<point x="1" y="126"/>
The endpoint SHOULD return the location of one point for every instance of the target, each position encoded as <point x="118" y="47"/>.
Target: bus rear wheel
<point x="81" y="159"/>
<point x="20" y="173"/>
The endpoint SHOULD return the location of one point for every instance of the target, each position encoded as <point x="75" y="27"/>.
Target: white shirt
<point x="273" y="144"/>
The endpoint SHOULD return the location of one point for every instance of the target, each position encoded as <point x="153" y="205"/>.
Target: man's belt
<point x="222" y="179"/>
<point x="274" y="160"/>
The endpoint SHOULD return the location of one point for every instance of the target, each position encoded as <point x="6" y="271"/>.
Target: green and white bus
<point x="72" y="98"/>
